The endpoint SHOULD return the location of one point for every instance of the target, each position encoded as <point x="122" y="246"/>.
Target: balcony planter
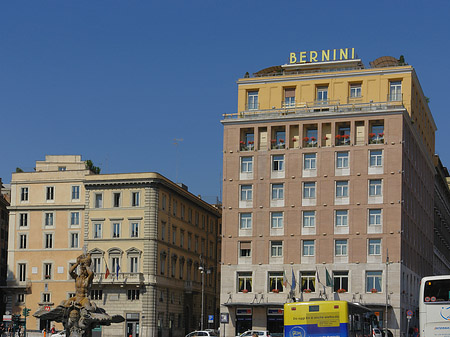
<point x="307" y="291"/>
<point x="276" y="291"/>
<point x="373" y="290"/>
<point x="294" y="139"/>
<point x="245" y="291"/>
<point x="340" y="291"/>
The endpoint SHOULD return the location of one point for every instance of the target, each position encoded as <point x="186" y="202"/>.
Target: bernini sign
<point x="322" y="55"/>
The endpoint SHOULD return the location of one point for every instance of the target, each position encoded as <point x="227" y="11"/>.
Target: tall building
<point x="4" y="203"/>
<point x="328" y="189"/>
<point x="154" y="246"/>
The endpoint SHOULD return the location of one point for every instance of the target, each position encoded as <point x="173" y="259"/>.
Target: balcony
<point x="121" y="278"/>
<point x="15" y="284"/>
<point x="312" y="109"/>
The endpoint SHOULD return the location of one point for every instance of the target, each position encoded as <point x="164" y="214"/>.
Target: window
<point x="135" y="199"/>
<point x="74" y="218"/>
<point x="133" y="294"/>
<point x="341" y="189"/>
<point x="181" y="238"/>
<point x="309" y="161"/>
<point x="174" y="207"/>
<point x="73" y="240"/>
<point x="22" y="267"/>
<point x="115" y="265"/>
<point x="47" y="271"/>
<point x="374" y="217"/>
<point x="163" y="231"/>
<point x="46" y="297"/>
<point x="97" y="231"/>
<point x="375" y="186"/>
<point x="376" y="135"/>
<point x="355" y="90"/>
<point x="133" y="264"/>
<point x="309" y="218"/>
<point x="24" y="194"/>
<point x="174" y="235"/>
<point x="308" y="281"/>
<point x="189" y="244"/>
<point x="48" y="240"/>
<point x="163" y="264"/>
<point x="22" y="241"/>
<point x="75" y="192"/>
<point x="342" y="159"/>
<point x="376" y="158"/>
<point x="98" y="200"/>
<point x="246" y="192"/>
<point x="96" y="264"/>
<point x="50" y="194"/>
<point x="341" y="218"/>
<point x="276" y="220"/>
<point x="246" y="164"/>
<point x="277" y="192"/>
<point x="23" y="220"/>
<point x="395" y="91"/>
<point x="245" y="221"/>
<point x="252" y="100"/>
<point x="21" y="298"/>
<point x="322" y="93"/>
<point x="116" y="230"/>
<point x="164" y="202"/>
<point x="289" y="97"/>
<point x="373" y="280"/>
<point x="244" y="281"/>
<point x="340" y="281"/>
<point x="183" y="211"/>
<point x="374" y="247"/>
<point x="48" y="219"/>
<point x="340" y="248"/>
<point x="276" y="281"/>
<point x="116" y="199"/>
<point x="245" y="249"/>
<point x="278" y="163"/>
<point x="134" y="230"/>
<point x="309" y="190"/>
<point x="308" y="248"/>
<point x="276" y="248"/>
<point x="97" y="294"/>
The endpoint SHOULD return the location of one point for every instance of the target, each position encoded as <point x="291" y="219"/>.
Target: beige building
<point x="328" y="174"/>
<point x="152" y="235"/>
<point x="4" y="203"/>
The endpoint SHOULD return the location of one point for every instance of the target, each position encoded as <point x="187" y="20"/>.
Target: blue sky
<point x="118" y="81"/>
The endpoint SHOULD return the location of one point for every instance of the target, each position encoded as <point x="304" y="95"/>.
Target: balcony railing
<point x="308" y="109"/>
<point x="16" y="284"/>
<point x="127" y="278"/>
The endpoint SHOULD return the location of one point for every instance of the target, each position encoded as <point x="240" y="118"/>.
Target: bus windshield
<point x="436" y="291"/>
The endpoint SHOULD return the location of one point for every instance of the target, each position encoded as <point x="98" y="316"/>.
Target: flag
<point x="107" y="272"/>
<point x="329" y="280"/>
<point x="284" y="279"/>
<point x="317" y="276"/>
<point x="293" y="285"/>
<point x="117" y="270"/>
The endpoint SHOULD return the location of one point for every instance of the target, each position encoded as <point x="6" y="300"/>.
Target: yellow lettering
<point x="334" y="54"/>
<point x="353" y="53"/>
<point x="344" y="54"/>
<point x="303" y="57"/>
<point x="325" y="55"/>
<point x="311" y="57"/>
<point x="292" y="58"/>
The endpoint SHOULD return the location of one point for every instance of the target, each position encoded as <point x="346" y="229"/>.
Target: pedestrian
<point x="53" y="329"/>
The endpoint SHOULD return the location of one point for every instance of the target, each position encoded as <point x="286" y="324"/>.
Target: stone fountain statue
<point x="78" y="315"/>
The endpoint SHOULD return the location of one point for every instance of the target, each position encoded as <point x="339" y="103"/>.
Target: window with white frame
<point x="340" y="247"/>
<point x="374" y="247"/>
<point x="309" y="161"/>
<point x="246" y="193"/>
<point x="309" y="218"/>
<point x="116" y="230"/>
<point x="134" y="230"/>
<point x="322" y="93"/>
<point x="96" y="264"/>
<point x="374" y="281"/>
<point x="342" y="159"/>
<point x="183" y="211"/>
<point x="342" y="189"/>
<point x="308" y="248"/>
<point x="24" y="194"/>
<point x="309" y="190"/>
<point x="133" y="294"/>
<point x="97" y="230"/>
<point x="375" y="187"/>
<point x="98" y="200"/>
<point x="308" y="281"/>
<point x="276" y="220"/>
<point x="74" y="240"/>
<point x="395" y="91"/>
<point x="48" y="243"/>
<point x="23" y="241"/>
<point x="46" y="297"/>
<point x="376" y="158"/>
<point x="276" y="248"/>
<point x="74" y="218"/>
<point x="116" y="199"/>
<point x="278" y="163"/>
<point x="289" y="97"/>
<point x="48" y="271"/>
<point x="163" y="202"/>
<point x="96" y="294"/>
<point x="48" y="219"/>
<point x="340" y="281"/>
<point x="277" y="191"/>
<point x="115" y="264"/>
<point x="76" y="192"/>
<point x="341" y="217"/>
<point x="21" y="298"/>
<point x="50" y="193"/>
<point x="23" y="220"/>
<point x="276" y="281"/>
<point x="22" y="272"/>
<point x="244" y="281"/>
<point x="252" y="100"/>
<point x="135" y="199"/>
<point x="246" y="164"/>
<point x="355" y="90"/>
<point x="375" y="218"/>
<point x="133" y="267"/>
<point x="245" y="220"/>
<point x="245" y="249"/>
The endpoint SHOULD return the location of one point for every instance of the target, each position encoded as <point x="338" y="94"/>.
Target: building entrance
<point x="275" y="321"/>
<point x="243" y="320"/>
<point x="132" y="325"/>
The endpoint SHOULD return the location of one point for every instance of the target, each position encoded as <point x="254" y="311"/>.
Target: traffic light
<point x="26" y="312"/>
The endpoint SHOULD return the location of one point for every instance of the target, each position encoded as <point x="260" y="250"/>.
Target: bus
<point x="328" y="318"/>
<point x="434" y="306"/>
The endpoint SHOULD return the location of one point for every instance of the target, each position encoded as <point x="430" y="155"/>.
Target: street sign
<point x="7" y="318"/>
<point x="409" y="313"/>
<point x="47" y="308"/>
<point x="224" y="318"/>
<point x="210" y="318"/>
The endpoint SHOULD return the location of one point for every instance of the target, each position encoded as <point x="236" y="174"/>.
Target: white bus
<point x="434" y="306"/>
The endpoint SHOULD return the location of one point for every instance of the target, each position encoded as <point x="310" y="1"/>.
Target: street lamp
<point x="202" y="269"/>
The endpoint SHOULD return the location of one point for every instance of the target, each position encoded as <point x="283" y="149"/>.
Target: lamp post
<point x="202" y="271"/>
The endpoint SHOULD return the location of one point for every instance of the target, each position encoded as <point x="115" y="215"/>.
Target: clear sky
<point x="118" y="81"/>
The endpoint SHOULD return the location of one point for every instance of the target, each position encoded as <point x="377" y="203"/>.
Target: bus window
<point x="436" y="291"/>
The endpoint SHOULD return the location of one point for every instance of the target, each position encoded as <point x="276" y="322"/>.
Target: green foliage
<point x="90" y="166"/>
<point x="427" y="99"/>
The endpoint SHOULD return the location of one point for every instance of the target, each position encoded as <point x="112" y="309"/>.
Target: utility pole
<point x="387" y="293"/>
<point x="202" y="271"/>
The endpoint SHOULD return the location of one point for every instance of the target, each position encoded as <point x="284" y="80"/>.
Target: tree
<point x="91" y="167"/>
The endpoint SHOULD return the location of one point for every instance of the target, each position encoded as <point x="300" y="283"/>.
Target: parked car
<point x="59" y="334"/>
<point x="376" y="332"/>
<point x="203" y="333"/>
<point x="259" y="333"/>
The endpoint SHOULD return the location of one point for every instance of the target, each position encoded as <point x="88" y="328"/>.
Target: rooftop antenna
<point x="176" y="142"/>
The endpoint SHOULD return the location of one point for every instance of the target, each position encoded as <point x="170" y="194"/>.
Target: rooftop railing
<point x="312" y="108"/>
